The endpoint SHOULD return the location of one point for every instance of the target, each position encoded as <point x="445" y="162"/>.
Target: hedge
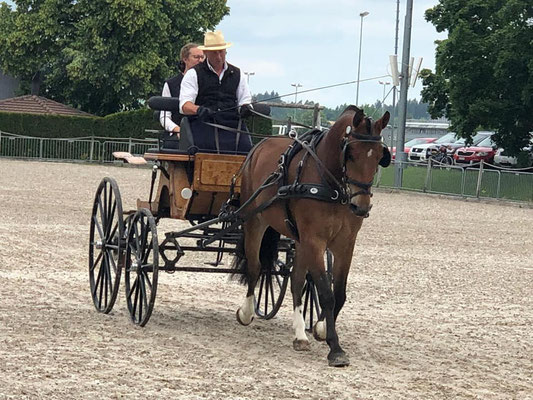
<point x="123" y="124"/>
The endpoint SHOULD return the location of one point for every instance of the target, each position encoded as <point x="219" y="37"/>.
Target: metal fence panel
<point x="445" y="180"/>
<point x="19" y="146"/>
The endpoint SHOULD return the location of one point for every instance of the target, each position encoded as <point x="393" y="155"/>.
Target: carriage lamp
<point x="186" y="193"/>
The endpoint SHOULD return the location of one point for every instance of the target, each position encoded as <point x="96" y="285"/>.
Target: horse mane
<point x="351" y="107"/>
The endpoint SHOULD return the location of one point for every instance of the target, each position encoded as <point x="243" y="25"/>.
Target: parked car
<point x="483" y="151"/>
<point x="503" y="159"/>
<point x="424" y="152"/>
<point x="411" y="143"/>
<point x="421" y="152"/>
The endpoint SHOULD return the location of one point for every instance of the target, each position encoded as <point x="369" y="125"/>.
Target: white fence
<point x="89" y="149"/>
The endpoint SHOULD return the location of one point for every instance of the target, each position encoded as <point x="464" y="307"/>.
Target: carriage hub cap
<point x="99" y="244"/>
<point x="134" y="265"/>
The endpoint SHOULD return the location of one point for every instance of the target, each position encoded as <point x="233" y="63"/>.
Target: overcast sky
<point x="315" y="43"/>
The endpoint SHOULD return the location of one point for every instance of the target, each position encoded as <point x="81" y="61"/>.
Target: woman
<point x="190" y="55"/>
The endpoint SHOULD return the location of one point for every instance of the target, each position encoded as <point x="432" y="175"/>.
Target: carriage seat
<point x="186" y="144"/>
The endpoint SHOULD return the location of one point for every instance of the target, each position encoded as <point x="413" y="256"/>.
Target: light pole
<point x="383" y="101"/>
<point x="248" y="76"/>
<point x="296" y="86"/>
<point x="362" y="15"/>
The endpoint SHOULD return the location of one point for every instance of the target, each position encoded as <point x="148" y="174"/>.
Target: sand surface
<point x="440" y="306"/>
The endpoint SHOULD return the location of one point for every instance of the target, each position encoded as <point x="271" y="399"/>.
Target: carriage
<point x="295" y="211"/>
<point x="186" y="185"/>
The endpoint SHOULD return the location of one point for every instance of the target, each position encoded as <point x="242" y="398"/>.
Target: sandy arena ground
<point x="440" y="306"/>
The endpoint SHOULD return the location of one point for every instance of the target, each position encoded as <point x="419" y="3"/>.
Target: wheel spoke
<point x="147" y="279"/>
<point x="272" y="298"/>
<point x="132" y="290"/>
<point x="98" y="280"/>
<point x="267" y="281"/>
<point x="134" y="311"/>
<point x="143" y="295"/>
<point x="149" y="250"/>
<point x="260" y="290"/>
<point x="98" y="227"/>
<point x="95" y="263"/>
<point x="113" y="263"/>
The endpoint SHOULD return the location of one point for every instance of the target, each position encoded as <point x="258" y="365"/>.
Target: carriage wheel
<point x="106" y="245"/>
<point x="272" y="285"/>
<point x="142" y="266"/>
<point x="311" y="305"/>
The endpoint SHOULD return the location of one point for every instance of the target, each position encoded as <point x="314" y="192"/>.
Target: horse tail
<point x="268" y="254"/>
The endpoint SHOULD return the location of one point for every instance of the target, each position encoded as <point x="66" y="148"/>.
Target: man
<point x="214" y="91"/>
<point x="190" y="55"/>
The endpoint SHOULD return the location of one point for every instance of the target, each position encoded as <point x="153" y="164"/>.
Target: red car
<point x="413" y="142"/>
<point x="484" y="151"/>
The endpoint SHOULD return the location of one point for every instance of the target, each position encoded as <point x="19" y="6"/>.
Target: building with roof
<point x="39" y="105"/>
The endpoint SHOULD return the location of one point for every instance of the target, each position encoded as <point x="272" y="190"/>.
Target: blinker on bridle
<point x="352" y="137"/>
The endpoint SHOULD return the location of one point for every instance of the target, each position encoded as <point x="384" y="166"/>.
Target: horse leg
<point x="315" y="260"/>
<point x="253" y="235"/>
<point x="300" y="342"/>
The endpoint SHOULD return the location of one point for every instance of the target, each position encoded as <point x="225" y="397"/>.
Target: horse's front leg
<point x="313" y="257"/>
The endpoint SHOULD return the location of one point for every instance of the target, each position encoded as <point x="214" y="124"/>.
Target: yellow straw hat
<point x="214" y="41"/>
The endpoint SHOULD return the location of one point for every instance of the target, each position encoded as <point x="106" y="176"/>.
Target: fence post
<point x="129" y="145"/>
<point x="316" y="116"/>
<point x="40" y="148"/>
<point x="479" y="176"/>
<point x="428" y="174"/>
<point x="91" y="152"/>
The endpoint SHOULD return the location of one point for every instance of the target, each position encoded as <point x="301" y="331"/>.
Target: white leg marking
<point x="246" y="312"/>
<point x="369" y="154"/>
<point x="320" y="329"/>
<point x="298" y="324"/>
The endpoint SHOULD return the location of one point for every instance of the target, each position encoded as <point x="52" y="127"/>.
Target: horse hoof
<point x="338" y="360"/>
<point x="241" y="321"/>
<point x="319" y="331"/>
<point x="301" y="345"/>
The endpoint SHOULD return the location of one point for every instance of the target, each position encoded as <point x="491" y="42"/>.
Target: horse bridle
<point x="357" y="137"/>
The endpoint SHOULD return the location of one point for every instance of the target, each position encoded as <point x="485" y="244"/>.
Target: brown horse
<point x="340" y="173"/>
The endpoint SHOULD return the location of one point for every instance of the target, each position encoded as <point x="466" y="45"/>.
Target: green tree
<point x="484" y="69"/>
<point x="102" y="56"/>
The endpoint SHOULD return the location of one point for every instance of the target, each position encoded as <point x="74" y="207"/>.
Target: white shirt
<point x="189" y="87"/>
<point x="165" y="116"/>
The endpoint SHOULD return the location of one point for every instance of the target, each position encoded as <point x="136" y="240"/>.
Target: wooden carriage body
<point x="192" y="186"/>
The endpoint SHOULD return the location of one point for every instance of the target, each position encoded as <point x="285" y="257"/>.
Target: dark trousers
<point x="205" y="135"/>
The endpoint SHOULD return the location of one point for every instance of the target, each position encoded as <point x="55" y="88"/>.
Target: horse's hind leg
<point x="300" y="343"/>
<point x="253" y="235"/>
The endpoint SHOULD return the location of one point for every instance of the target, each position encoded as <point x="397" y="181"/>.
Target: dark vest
<point x="215" y="94"/>
<point x="219" y="95"/>
<point x="174" y="85"/>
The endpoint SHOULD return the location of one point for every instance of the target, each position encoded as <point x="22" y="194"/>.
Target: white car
<point x="500" y="158"/>
<point x="421" y="152"/>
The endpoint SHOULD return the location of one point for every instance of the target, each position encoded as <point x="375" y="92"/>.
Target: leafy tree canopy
<point x="484" y="70"/>
<point x="102" y="56"/>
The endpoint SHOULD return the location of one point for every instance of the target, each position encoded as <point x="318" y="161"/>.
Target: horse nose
<point x="361" y="211"/>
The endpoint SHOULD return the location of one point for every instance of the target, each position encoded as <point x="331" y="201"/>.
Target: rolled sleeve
<point x="189" y="88"/>
<point x="165" y="117"/>
<point x="243" y="92"/>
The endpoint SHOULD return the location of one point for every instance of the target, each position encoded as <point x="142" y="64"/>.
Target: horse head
<point x="362" y="151"/>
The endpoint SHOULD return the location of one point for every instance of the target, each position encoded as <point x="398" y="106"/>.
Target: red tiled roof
<point x="38" y="105"/>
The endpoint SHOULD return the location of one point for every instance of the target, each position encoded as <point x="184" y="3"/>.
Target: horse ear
<point x="386" y="158"/>
<point x="385" y="120"/>
<point x="358" y="117"/>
